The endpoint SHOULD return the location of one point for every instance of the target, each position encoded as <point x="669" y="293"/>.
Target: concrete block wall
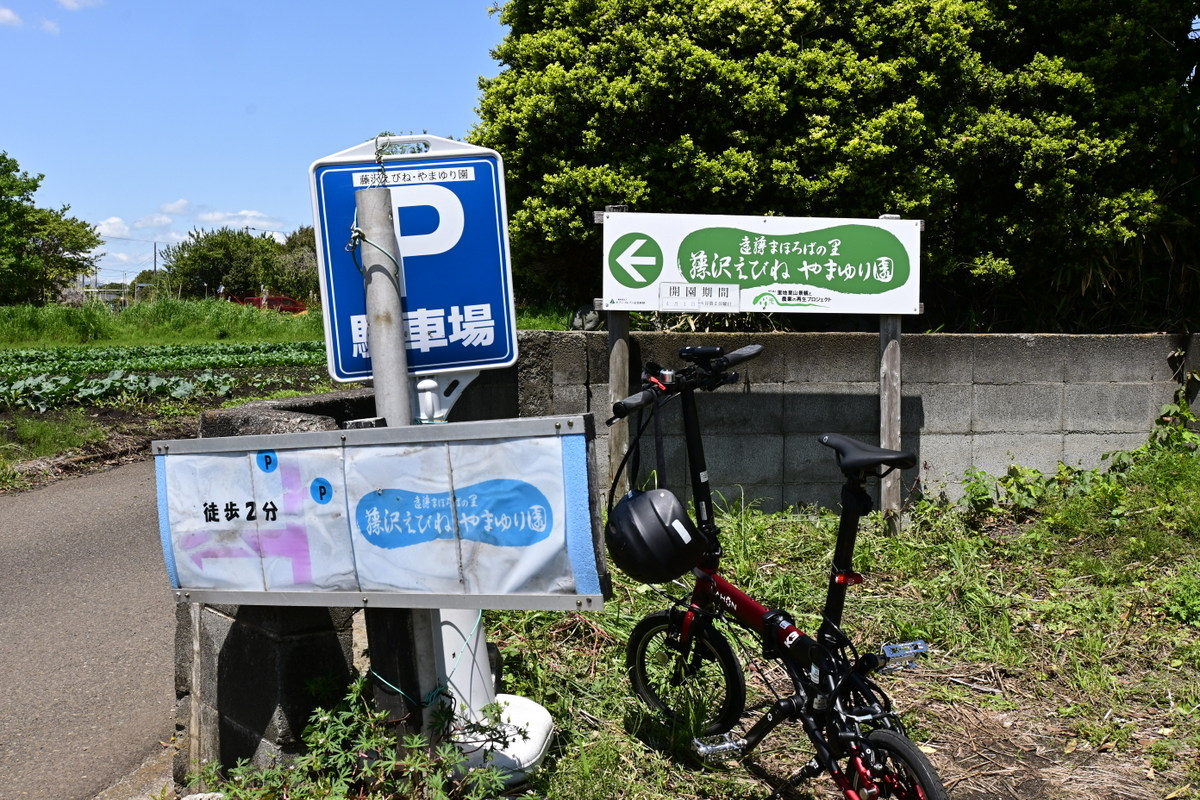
<point x="1035" y="400"/>
<point x="982" y="401"/>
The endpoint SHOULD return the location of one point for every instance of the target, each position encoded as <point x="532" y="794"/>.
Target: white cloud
<point x="75" y="5"/>
<point x="153" y="221"/>
<point x="123" y="259"/>
<point x="49" y="26"/>
<point x="9" y="17"/>
<point x="113" y="226"/>
<point x="180" y="206"/>
<point x="241" y="219"/>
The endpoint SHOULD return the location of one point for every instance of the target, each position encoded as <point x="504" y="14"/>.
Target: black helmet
<point x="651" y="538"/>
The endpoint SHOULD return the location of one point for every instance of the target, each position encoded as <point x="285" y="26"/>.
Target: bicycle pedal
<point x="718" y="748"/>
<point x="903" y="653"/>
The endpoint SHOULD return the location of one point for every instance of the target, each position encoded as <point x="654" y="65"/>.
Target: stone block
<point x="569" y="362"/>
<point x="823" y="494"/>
<point x="1124" y="359"/>
<point x="596" y="352"/>
<point x="941" y="461"/>
<point x="994" y="453"/>
<point x="1086" y="450"/>
<point x="936" y="408"/>
<point x="852" y="409"/>
<point x="744" y="459"/>
<point x="1020" y="358"/>
<point x="936" y="358"/>
<point x="757" y="408"/>
<point x="571" y="399"/>
<point x="1017" y="407"/>
<point x="1111" y="407"/>
<point x="831" y="357"/>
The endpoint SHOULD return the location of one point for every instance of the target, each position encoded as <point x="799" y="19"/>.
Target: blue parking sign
<point x="449" y="207"/>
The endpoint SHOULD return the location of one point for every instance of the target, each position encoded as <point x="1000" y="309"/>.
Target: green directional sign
<point x="635" y="260"/>
<point x="702" y="263"/>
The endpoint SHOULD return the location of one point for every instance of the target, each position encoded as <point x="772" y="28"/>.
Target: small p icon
<point x="321" y="491"/>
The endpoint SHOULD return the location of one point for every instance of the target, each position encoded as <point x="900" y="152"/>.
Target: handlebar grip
<point x="623" y="408"/>
<point x="737" y="356"/>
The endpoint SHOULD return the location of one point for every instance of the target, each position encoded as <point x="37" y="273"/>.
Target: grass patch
<point x="29" y="435"/>
<point x="182" y="322"/>
<point x="163" y="321"/>
<point x="25" y="436"/>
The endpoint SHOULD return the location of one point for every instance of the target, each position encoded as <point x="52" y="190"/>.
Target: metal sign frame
<point x="452" y="226"/>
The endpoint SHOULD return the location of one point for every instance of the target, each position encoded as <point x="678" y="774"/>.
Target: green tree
<point x="41" y="250"/>
<point x="296" y="273"/>
<point x="1033" y="137"/>
<point x="239" y="261"/>
<point x="57" y="251"/>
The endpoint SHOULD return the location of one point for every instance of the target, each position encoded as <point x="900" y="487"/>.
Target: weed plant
<point x="351" y="751"/>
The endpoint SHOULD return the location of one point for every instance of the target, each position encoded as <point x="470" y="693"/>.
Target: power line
<point x="128" y="239"/>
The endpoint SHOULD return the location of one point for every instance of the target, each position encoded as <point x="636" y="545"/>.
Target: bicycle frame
<point x="847" y="718"/>
<point x="810" y="662"/>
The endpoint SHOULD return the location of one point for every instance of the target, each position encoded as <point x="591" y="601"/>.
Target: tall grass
<point x="170" y="321"/>
<point x="165" y="321"/>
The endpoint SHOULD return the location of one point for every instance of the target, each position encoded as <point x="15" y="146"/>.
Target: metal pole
<point x="401" y="641"/>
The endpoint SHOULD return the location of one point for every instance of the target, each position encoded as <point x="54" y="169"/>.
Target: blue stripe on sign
<point x="164" y="523"/>
<point x="580" y="546"/>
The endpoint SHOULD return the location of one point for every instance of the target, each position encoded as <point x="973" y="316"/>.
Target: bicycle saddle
<point x="855" y="455"/>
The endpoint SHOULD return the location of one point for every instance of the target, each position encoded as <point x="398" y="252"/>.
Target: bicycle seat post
<point x="855" y="504"/>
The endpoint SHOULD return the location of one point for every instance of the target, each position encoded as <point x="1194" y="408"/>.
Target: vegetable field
<point x="43" y="379"/>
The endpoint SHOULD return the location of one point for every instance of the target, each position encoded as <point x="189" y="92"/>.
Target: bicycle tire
<point x="703" y="687"/>
<point x="906" y="773"/>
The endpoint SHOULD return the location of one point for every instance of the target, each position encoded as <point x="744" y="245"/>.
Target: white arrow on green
<point x="628" y="261"/>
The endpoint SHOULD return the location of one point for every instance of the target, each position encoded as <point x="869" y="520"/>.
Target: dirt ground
<point x="1024" y="753"/>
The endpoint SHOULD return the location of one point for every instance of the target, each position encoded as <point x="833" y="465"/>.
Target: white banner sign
<point x="475" y="515"/>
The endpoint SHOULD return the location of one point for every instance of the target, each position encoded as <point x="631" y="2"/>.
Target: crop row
<point x="43" y="392"/>
<point x="146" y="359"/>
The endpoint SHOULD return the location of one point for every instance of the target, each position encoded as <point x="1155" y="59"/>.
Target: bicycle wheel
<point x="701" y="686"/>
<point x="905" y="773"/>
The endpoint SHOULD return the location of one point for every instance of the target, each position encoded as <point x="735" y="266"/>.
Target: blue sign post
<point x="449" y="208"/>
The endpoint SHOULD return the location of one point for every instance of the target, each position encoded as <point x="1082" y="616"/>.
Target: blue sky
<point x="154" y="117"/>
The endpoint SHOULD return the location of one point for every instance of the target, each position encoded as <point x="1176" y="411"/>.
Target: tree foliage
<point x="1049" y="145"/>
<point x="41" y="250"/>
<point x="242" y="264"/>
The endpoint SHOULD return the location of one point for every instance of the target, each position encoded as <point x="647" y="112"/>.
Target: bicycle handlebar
<point x="623" y="408"/>
<point x="707" y="372"/>
<point x="737" y="356"/>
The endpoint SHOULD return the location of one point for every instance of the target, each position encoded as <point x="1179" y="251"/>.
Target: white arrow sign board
<point x="701" y="263"/>
<point x="494" y="514"/>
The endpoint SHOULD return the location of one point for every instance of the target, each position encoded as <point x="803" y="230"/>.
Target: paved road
<point x="86" y="635"/>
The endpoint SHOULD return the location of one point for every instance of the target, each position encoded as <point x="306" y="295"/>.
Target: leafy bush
<point x="352" y="751"/>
